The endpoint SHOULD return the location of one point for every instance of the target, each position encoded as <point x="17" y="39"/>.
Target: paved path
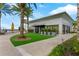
<point x="6" y="47"/>
<point x="42" y="48"/>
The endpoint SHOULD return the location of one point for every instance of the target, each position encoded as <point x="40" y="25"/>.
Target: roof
<point x="55" y="15"/>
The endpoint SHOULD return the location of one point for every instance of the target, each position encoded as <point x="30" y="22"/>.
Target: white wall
<point x="67" y="21"/>
<point x="47" y="22"/>
<point x="54" y="21"/>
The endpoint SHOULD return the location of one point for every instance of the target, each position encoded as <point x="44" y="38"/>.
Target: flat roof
<point x="58" y="14"/>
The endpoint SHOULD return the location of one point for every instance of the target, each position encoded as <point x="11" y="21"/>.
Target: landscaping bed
<point x="67" y="48"/>
<point x="34" y="37"/>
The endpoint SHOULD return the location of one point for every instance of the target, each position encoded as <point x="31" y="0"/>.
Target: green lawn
<point x="34" y="37"/>
<point x="69" y="47"/>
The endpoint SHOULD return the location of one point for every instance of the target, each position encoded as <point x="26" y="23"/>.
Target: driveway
<point x="44" y="47"/>
<point x="6" y="47"/>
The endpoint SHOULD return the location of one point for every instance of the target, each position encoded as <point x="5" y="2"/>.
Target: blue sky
<point x="42" y="10"/>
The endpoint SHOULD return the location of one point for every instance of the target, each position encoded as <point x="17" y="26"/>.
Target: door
<point x="36" y="29"/>
<point x="64" y="29"/>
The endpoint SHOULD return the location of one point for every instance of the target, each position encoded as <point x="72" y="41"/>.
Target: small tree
<point x="12" y="27"/>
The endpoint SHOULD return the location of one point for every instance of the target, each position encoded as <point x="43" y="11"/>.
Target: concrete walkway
<point x="6" y="47"/>
<point x="40" y="48"/>
<point x="44" y="47"/>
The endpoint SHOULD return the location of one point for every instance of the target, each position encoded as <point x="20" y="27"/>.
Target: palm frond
<point x="1" y="6"/>
<point x="30" y="5"/>
<point x="3" y="12"/>
<point x="35" y="5"/>
<point x="15" y="8"/>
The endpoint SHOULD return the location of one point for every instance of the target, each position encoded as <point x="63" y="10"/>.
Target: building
<point x="61" y="23"/>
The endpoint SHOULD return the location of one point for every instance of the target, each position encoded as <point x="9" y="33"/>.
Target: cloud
<point x="37" y="14"/>
<point x="70" y="9"/>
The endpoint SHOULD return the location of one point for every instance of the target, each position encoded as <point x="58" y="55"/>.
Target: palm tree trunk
<point x="0" y="21"/>
<point x="77" y="21"/>
<point x="77" y="29"/>
<point x="22" y="22"/>
<point x="27" y="24"/>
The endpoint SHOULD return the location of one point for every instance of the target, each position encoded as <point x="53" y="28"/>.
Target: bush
<point x="69" y="47"/>
<point x="57" y="51"/>
<point x="73" y="32"/>
<point x="30" y="30"/>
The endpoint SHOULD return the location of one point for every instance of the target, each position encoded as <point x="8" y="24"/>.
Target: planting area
<point x="33" y="38"/>
<point x="67" y="48"/>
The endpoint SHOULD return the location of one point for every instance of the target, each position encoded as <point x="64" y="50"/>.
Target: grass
<point x="69" y="47"/>
<point x="34" y="37"/>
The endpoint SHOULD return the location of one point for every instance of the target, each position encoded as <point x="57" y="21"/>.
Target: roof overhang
<point x="54" y="16"/>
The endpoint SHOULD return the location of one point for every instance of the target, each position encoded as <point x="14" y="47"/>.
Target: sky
<point x="42" y="10"/>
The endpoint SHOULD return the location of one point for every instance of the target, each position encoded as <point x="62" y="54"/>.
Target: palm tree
<point x="24" y="9"/>
<point x="28" y="14"/>
<point x="4" y="9"/>
<point x="78" y="21"/>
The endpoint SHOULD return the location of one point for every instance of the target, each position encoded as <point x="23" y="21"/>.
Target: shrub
<point x="69" y="47"/>
<point x="72" y="32"/>
<point x="57" y="51"/>
<point x="30" y="30"/>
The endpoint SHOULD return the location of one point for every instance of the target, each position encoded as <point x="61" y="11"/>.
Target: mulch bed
<point x="22" y="38"/>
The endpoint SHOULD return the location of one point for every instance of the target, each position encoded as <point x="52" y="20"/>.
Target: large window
<point x="52" y="28"/>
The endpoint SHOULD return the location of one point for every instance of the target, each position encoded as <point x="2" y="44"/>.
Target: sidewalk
<point x="40" y="48"/>
<point x="6" y="47"/>
<point x="43" y="48"/>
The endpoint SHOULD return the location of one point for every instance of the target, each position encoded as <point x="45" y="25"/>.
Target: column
<point x="34" y="29"/>
<point x="39" y="30"/>
<point x="60" y="29"/>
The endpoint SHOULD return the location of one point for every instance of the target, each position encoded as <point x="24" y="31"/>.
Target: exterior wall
<point x="52" y="21"/>
<point x="48" y="21"/>
<point x="67" y="21"/>
<point x="63" y="20"/>
<point x="60" y="29"/>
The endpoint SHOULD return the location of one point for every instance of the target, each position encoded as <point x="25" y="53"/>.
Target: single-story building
<point x="60" y="23"/>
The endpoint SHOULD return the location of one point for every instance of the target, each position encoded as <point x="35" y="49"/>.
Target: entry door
<point x="37" y="29"/>
<point x="63" y="29"/>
